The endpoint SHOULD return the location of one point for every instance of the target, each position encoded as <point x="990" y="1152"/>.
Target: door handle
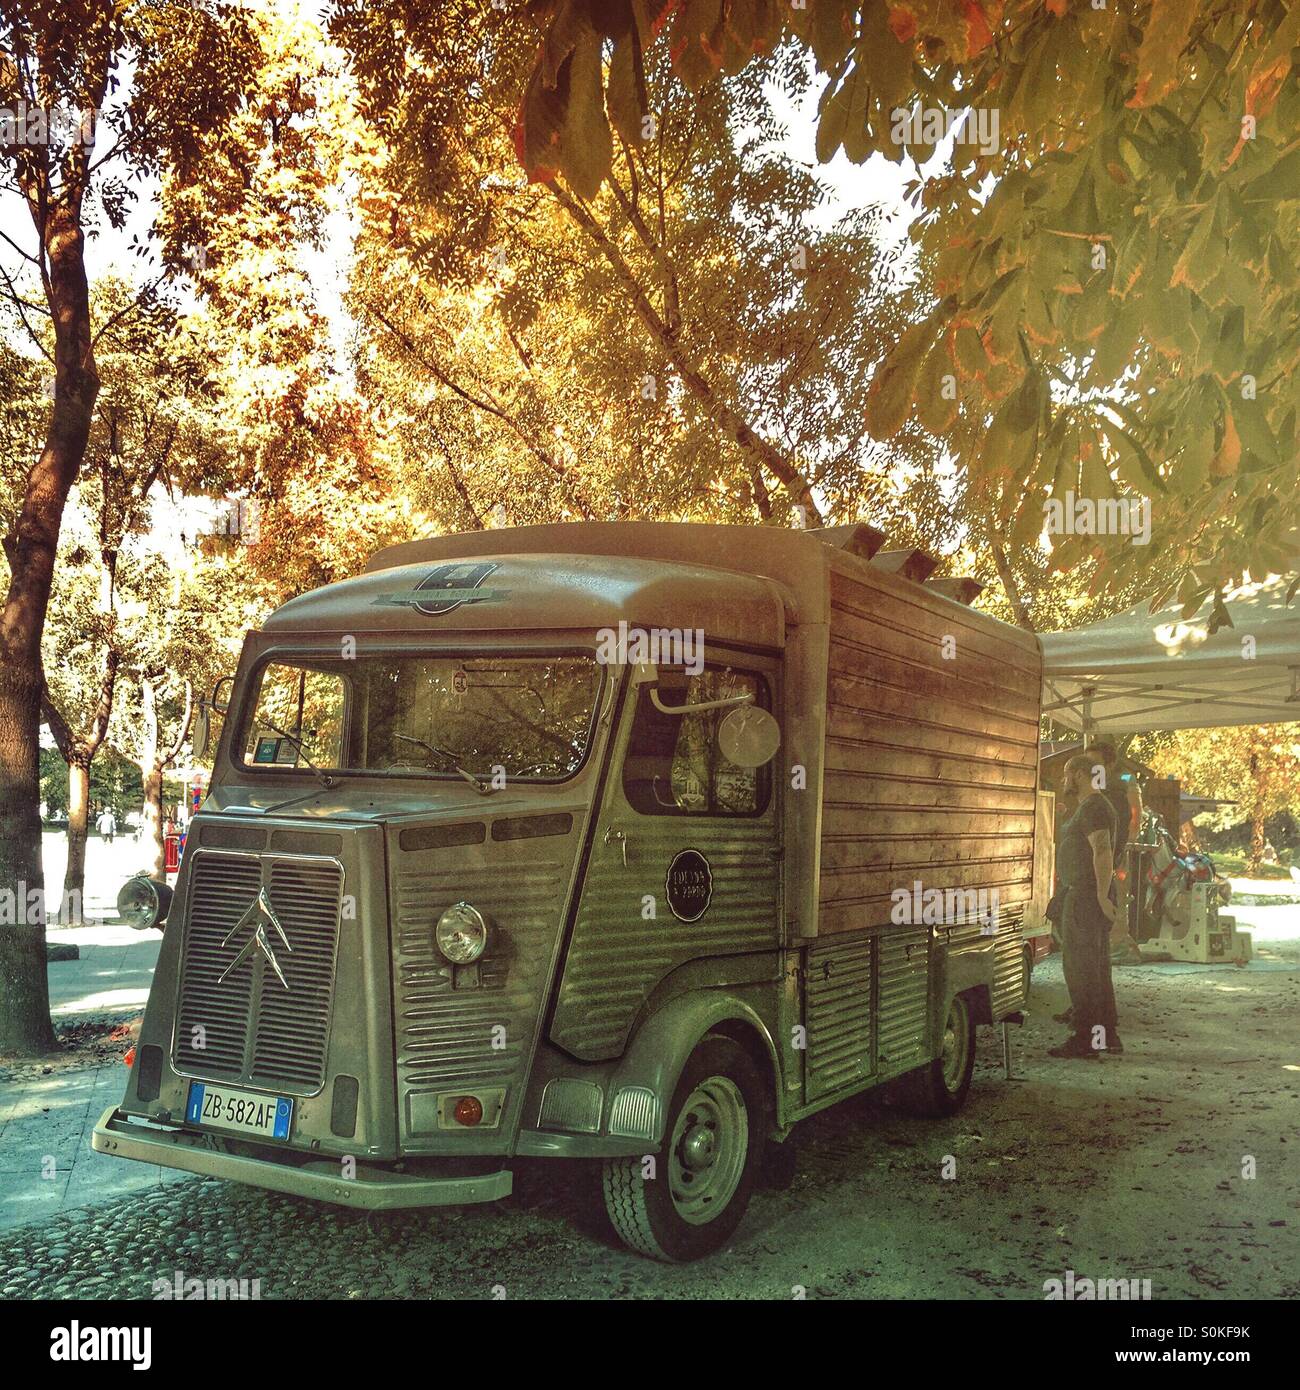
<point x="611" y="835"/>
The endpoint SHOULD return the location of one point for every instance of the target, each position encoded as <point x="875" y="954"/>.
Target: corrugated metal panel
<point x="838" y="1011"/>
<point x="616" y="957"/>
<point x="1009" y="964"/>
<point x="292" y="1032"/>
<point x="212" y="1020"/>
<point x="473" y="1025"/>
<point x="903" y="996"/>
<point x="255" y="1029"/>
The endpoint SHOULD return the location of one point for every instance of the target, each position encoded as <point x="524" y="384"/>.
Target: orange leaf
<point x="903" y="22"/>
<point x="1167" y="28"/>
<point x="978" y="33"/>
<point x="1224" y="463"/>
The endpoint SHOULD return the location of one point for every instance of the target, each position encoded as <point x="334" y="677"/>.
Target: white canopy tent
<point x="1141" y="671"/>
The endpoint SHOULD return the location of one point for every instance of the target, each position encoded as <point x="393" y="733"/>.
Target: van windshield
<point x="494" y="717"/>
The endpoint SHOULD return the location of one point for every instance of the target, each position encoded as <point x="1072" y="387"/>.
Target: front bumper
<point x="373" y="1189"/>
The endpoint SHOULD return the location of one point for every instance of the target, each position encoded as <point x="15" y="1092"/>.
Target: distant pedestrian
<point x="107" y="824"/>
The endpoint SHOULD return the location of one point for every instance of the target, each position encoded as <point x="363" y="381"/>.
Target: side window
<point x="296" y="705"/>
<point x="674" y="766"/>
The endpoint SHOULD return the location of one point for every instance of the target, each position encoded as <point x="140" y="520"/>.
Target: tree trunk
<point x="24" y="985"/>
<point x="1256" y="859"/>
<point x="153" y="821"/>
<point x="74" y="877"/>
<point x="24" y="988"/>
<point x="1012" y="590"/>
<point x="151" y="774"/>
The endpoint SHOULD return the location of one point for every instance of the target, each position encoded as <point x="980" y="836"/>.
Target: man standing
<point x="1126" y="801"/>
<point x="107" y="824"/>
<point x="1085" y="867"/>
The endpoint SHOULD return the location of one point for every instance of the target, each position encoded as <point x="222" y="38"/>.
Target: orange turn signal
<point x="469" y="1110"/>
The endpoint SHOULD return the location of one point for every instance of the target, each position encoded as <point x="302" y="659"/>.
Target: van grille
<point x="249" y="1027"/>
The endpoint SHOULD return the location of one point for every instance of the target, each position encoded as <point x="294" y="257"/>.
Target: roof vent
<point x="857" y="538"/>
<point x="910" y="564"/>
<point x="964" y="590"/>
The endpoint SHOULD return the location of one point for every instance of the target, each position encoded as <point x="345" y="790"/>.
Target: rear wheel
<point x="686" y="1199"/>
<point x="941" y="1087"/>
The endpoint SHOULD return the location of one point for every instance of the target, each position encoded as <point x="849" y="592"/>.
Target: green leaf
<point x="623" y="94"/>
<point x="936" y="407"/>
<point x="586" y="146"/>
<point x="887" y="63"/>
<point x="1202" y="255"/>
<point x="889" y="399"/>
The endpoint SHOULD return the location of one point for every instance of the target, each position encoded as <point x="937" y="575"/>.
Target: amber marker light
<point x="469" y="1110"/>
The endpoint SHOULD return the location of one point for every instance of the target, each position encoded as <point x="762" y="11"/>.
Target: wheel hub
<point x="698" y="1148"/>
<point x="955" y="1035"/>
<point x="707" y="1154"/>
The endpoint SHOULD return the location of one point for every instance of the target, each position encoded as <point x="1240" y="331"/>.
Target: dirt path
<point x="1122" y="1168"/>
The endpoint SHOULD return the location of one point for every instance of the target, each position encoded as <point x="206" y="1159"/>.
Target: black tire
<point x="940" y="1087"/>
<point x="659" y="1215"/>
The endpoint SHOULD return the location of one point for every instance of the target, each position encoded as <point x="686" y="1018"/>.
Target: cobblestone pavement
<point x="1124" y="1168"/>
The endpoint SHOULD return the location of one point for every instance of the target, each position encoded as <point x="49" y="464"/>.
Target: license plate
<point x="243" y="1111"/>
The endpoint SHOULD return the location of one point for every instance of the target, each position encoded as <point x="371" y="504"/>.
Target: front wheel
<point x="686" y="1199"/>
<point x="940" y="1087"/>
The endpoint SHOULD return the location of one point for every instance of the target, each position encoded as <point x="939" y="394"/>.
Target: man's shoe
<point x="1067" y="1016"/>
<point x="1073" y="1047"/>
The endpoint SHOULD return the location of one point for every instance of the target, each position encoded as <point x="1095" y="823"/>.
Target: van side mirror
<point x="749" y="736"/>
<point x="208" y="705"/>
<point x="202" y="734"/>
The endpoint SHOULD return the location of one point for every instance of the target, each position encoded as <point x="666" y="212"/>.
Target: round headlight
<point x="461" y="934"/>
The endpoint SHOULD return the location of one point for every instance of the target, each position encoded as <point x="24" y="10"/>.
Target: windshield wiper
<point x="324" y="778"/>
<point x="483" y="788"/>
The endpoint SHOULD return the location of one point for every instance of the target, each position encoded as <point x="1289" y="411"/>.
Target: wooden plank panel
<point x="838" y="884"/>
<point x="855" y="914"/>
<point x="883" y="598"/>
<point x="930" y="764"/>
<point x="846" y="789"/>
<point x="865" y="759"/>
<point x="862" y="645"/>
<point x="907" y="853"/>
<point x="929" y="699"/>
<point x="843" y="822"/>
<point x="850" y="724"/>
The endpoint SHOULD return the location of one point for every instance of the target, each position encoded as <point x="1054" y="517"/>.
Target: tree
<point x="678" y="343"/>
<point x="152" y="425"/>
<point x="192" y="615"/>
<point x="1258" y="767"/>
<point x="98" y="96"/>
<point x="1112" y="292"/>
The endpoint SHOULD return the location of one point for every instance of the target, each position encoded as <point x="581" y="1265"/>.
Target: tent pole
<point x="1089" y="724"/>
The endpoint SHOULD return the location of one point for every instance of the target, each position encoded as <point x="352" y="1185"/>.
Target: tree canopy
<point x="1110" y="291"/>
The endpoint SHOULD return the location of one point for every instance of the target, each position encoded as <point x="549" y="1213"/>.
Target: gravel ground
<point x="1121" y="1168"/>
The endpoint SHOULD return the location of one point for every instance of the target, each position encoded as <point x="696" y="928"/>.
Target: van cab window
<point x="674" y="766"/>
<point x="426" y="716"/>
<point x="299" y="711"/>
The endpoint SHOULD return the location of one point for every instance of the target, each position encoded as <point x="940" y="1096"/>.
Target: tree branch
<point x="727" y="419"/>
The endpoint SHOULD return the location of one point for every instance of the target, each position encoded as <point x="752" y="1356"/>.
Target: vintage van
<point x="629" y="842"/>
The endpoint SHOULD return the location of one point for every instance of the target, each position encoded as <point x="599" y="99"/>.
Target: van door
<point x="683" y="860"/>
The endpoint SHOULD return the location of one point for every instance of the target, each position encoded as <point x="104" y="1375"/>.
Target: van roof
<point x="495" y="590"/>
<point x="738" y="583"/>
